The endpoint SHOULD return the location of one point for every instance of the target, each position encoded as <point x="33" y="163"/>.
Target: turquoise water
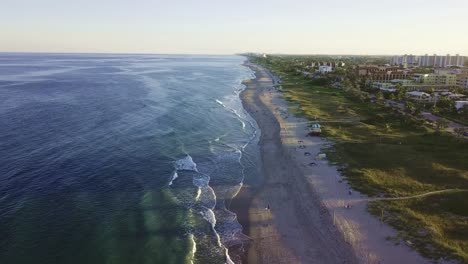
<point x="121" y="158"/>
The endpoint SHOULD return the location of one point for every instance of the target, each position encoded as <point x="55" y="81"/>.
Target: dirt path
<point x="415" y="196"/>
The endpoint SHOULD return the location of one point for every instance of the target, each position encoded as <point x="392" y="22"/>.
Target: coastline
<point x="307" y="222"/>
<point x="297" y="228"/>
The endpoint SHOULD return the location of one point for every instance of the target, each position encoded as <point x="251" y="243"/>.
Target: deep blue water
<point x="121" y="158"/>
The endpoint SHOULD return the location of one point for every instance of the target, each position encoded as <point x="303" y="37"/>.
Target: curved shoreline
<point x="297" y="228"/>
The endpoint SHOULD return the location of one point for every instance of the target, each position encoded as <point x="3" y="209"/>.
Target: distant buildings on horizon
<point x="413" y="78"/>
<point x="429" y="60"/>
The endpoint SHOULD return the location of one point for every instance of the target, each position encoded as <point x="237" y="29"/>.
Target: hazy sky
<point x="219" y="26"/>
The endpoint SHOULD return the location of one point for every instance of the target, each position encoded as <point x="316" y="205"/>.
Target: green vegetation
<point x="440" y="219"/>
<point x="441" y="123"/>
<point x="391" y="154"/>
<point x="460" y="116"/>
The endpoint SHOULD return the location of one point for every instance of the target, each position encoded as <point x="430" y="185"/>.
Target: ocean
<point x="122" y="158"/>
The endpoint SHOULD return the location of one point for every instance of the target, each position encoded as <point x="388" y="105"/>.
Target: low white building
<point x="390" y="90"/>
<point x="325" y="68"/>
<point x="462" y="81"/>
<point x="453" y="96"/>
<point x="387" y="87"/>
<point x="460" y="104"/>
<point x="417" y="95"/>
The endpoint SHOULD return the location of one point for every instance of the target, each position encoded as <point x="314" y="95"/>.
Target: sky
<point x="235" y="26"/>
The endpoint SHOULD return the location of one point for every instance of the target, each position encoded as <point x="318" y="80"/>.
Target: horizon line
<point x="218" y="54"/>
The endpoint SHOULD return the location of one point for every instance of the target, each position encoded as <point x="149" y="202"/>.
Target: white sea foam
<point x="194" y="248"/>
<point x="219" y="102"/>
<point x="243" y="124"/>
<point x="237" y="189"/>
<point x="233" y="104"/>
<point x="174" y="176"/>
<point x="228" y="229"/>
<point x="228" y="258"/>
<point x="254" y="134"/>
<point x="209" y="216"/>
<point x="206" y="197"/>
<point x="197" y="197"/>
<point x="186" y="163"/>
<point x="220" y="137"/>
<point x="233" y="234"/>
<point x="201" y="180"/>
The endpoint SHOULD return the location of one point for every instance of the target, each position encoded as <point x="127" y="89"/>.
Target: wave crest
<point x="174" y="176"/>
<point x="186" y="163"/>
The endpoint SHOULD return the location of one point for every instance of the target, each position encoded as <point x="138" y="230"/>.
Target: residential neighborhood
<point x="397" y="127"/>
<point x="431" y="84"/>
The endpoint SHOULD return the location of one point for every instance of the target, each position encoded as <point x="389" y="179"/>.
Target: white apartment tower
<point x="441" y="61"/>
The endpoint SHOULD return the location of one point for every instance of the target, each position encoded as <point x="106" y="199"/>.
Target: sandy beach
<point x="307" y="221"/>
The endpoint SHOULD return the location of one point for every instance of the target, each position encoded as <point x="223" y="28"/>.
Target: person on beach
<point x="267" y="207"/>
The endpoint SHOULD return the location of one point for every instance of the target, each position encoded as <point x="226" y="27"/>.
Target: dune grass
<point x="438" y="219"/>
<point x="392" y="155"/>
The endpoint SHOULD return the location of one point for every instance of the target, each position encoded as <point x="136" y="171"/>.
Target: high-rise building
<point x="408" y="60"/>
<point x="429" y="61"/>
<point x="441" y="61"/>
<point x="412" y="60"/>
<point x="458" y="61"/>
<point x="446" y="61"/>
<point x="424" y="61"/>
<point x="433" y="60"/>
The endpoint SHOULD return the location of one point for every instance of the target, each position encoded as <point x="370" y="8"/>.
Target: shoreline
<point x="297" y="228"/>
<point x="307" y="202"/>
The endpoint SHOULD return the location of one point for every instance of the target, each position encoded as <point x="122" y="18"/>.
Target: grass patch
<point x="440" y="219"/>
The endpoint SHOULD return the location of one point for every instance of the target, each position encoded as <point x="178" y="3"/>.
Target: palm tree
<point x="441" y="123"/>
<point x="388" y="127"/>
<point x="410" y="108"/>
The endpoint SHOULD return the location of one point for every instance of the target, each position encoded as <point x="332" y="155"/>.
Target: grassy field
<point x="456" y="118"/>
<point x="388" y="154"/>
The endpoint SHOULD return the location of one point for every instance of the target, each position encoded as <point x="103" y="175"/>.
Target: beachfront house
<point x="387" y="87"/>
<point x="459" y="104"/>
<point x="419" y="96"/>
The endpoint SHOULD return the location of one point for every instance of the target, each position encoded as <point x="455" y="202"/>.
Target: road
<point x="433" y="118"/>
<point x="426" y="115"/>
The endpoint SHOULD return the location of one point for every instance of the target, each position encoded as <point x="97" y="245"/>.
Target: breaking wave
<point x="186" y="163"/>
<point x="174" y="176"/>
